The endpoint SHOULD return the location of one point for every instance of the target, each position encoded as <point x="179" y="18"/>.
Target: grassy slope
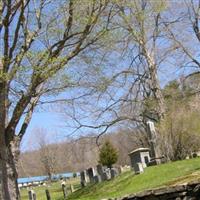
<point x="128" y="183"/>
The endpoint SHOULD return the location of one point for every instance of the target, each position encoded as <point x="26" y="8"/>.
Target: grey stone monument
<point x="84" y="178"/>
<point x="71" y="188"/>
<point x="140" y="155"/>
<point x="64" y="189"/>
<point x="100" y="171"/>
<point x="113" y="172"/>
<point x="31" y="195"/>
<point x="139" y="168"/>
<point x="106" y="175"/>
<point x="97" y="179"/>
<point x="91" y="173"/>
<point x="155" y="153"/>
<point x="120" y="169"/>
<point x="48" y="196"/>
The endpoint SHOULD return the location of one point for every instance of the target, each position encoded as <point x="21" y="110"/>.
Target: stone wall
<point x="190" y="191"/>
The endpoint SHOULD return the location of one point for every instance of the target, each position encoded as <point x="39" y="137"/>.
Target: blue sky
<point x="50" y="122"/>
<point x="54" y="123"/>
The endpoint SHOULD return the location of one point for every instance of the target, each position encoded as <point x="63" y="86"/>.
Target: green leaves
<point x="108" y="154"/>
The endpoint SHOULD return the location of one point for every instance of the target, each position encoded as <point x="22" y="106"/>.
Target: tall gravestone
<point x="84" y="178"/>
<point x="120" y="169"/>
<point x="71" y="188"/>
<point x="155" y="153"/>
<point x="100" y="171"/>
<point x="91" y="173"/>
<point x="64" y="189"/>
<point x="48" y="196"/>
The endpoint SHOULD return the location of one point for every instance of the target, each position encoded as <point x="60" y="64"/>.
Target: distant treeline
<point x="75" y="155"/>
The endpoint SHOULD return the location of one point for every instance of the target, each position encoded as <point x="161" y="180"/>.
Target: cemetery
<point x="145" y="164"/>
<point x="176" y="175"/>
<point x="99" y="100"/>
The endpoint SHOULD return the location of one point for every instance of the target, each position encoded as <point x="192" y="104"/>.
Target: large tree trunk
<point x="9" y="177"/>
<point x="9" y="147"/>
<point x="155" y="86"/>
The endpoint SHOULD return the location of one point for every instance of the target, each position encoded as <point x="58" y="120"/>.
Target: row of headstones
<point x="97" y="175"/>
<point x="32" y="194"/>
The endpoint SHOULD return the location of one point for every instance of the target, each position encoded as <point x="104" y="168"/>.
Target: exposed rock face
<point x="191" y="191"/>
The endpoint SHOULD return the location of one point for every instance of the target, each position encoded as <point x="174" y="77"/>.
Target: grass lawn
<point x="55" y="190"/>
<point x="127" y="183"/>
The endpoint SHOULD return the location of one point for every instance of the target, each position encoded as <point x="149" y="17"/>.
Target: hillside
<point x="164" y="175"/>
<point x="80" y="154"/>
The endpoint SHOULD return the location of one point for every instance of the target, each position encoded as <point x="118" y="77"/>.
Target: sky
<point x="54" y="123"/>
<point x="48" y="122"/>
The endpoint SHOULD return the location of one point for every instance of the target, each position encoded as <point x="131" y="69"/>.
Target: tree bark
<point x="2" y="134"/>
<point x="9" y="177"/>
<point x="155" y="85"/>
<point x="9" y="151"/>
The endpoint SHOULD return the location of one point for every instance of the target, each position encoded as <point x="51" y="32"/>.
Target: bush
<point x="108" y="155"/>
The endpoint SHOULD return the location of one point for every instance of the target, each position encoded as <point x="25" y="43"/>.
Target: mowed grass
<point x="128" y="183"/>
<point x="55" y="190"/>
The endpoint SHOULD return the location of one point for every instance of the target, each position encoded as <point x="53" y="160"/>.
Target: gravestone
<point x="113" y="172"/>
<point x="31" y="195"/>
<point x="140" y="155"/>
<point x="138" y="168"/>
<point x="100" y="171"/>
<point x="84" y="178"/>
<point x="91" y="173"/>
<point x="106" y="175"/>
<point x="64" y="189"/>
<point x="47" y="194"/>
<point x="155" y="153"/>
<point x="34" y="196"/>
<point x="97" y="179"/>
<point x="120" y="169"/>
<point x="71" y="188"/>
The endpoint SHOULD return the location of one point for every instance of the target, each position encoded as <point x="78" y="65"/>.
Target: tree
<point x="179" y="131"/>
<point x="108" y="155"/>
<point x="39" y="40"/>
<point x="182" y="29"/>
<point x="48" y="154"/>
<point x="129" y="90"/>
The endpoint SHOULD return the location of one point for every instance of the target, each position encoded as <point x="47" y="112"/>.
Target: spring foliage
<point x="108" y="154"/>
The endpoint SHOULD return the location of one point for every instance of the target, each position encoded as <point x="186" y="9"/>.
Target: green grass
<point x="128" y="183"/>
<point x="55" y="190"/>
